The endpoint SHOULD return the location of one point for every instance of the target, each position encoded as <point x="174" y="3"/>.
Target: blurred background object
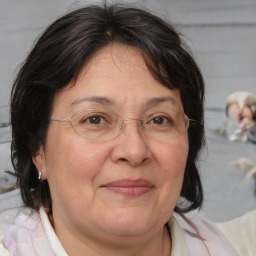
<point x="222" y="36"/>
<point x="241" y="116"/>
<point x="6" y="180"/>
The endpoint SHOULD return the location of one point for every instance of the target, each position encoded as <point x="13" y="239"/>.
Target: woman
<point x="100" y="111"/>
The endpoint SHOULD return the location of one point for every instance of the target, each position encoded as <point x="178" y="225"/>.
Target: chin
<point x="130" y="222"/>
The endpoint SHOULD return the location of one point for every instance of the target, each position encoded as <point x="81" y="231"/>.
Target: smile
<point x="129" y="187"/>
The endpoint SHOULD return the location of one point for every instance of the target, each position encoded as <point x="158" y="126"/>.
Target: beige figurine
<point x="241" y="115"/>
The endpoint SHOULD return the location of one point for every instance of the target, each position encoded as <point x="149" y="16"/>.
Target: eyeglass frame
<point x="121" y="127"/>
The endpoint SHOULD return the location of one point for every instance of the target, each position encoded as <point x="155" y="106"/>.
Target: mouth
<point x="129" y="187"/>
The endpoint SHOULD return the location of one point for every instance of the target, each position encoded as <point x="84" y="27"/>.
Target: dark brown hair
<point x="56" y="60"/>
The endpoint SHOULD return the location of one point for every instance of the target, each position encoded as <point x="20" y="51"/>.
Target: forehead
<point x="116" y="73"/>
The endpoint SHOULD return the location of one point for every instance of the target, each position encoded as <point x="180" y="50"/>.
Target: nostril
<point x="144" y="160"/>
<point x="133" y="162"/>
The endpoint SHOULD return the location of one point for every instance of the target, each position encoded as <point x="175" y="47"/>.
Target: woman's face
<point x="126" y="186"/>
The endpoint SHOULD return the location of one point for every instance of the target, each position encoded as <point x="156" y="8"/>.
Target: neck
<point x="157" y="244"/>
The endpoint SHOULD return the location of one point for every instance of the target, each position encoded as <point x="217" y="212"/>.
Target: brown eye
<point x="159" y="120"/>
<point x="94" y="119"/>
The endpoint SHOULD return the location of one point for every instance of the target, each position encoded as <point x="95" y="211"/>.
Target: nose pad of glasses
<point x="139" y="122"/>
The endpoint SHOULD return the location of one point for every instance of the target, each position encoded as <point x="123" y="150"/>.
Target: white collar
<point x="51" y="235"/>
<point x="179" y="246"/>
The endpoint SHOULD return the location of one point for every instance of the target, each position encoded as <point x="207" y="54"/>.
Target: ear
<point x="40" y="162"/>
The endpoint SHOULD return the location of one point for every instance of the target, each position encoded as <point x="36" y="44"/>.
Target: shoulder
<point x="3" y="250"/>
<point x="27" y="231"/>
<point x="10" y="205"/>
<point x="20" y="227"/>
<point x="203" y="235"/>
<point x="241" y="232"/>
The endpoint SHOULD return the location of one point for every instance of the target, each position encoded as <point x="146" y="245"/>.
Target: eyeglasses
<point x="102" y="125"/>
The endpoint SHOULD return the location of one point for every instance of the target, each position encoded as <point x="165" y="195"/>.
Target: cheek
<point x="174" y="157"/>
<point x="173" y="163"/>
<point x="71" y="158"/>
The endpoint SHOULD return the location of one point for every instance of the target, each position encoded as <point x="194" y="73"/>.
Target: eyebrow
<point x="108" y="102"/>
<point x="97" y="99"/>
<point x="159" y="100"/>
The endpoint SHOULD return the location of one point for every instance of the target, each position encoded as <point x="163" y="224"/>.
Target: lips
<point x="129" y="187"/>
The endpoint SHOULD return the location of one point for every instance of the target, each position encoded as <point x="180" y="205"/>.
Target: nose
<point x="132" y="148"/>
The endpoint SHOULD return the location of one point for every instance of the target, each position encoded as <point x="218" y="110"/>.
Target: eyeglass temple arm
<point x="57" y="120"/>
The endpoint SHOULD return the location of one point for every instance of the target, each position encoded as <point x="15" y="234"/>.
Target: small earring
<point x="39" y="175"/>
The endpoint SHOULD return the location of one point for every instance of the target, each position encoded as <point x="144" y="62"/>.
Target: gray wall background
<point x="222" y="35"/>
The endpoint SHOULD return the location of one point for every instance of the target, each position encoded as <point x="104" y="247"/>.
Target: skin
<point x="90" y="219"/>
